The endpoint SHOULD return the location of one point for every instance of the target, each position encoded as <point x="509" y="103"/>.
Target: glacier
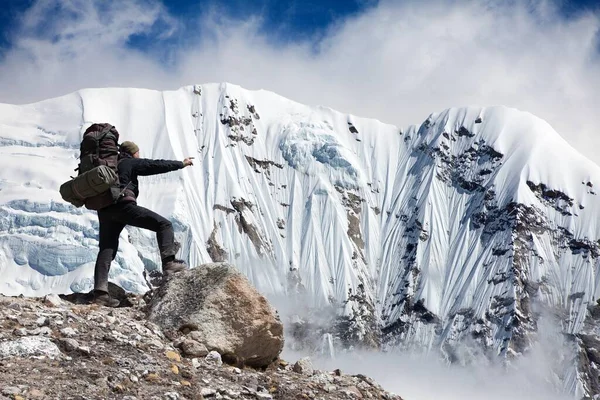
<point x="458" y="229"/>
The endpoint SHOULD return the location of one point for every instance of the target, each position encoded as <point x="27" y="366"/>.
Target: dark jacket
<point x="130" y="168"/>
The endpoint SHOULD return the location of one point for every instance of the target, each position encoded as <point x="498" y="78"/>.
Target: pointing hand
<point x="188" y="161"/>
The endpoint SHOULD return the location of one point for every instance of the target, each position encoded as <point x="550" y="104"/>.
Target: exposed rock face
<point x="223" y="311"/>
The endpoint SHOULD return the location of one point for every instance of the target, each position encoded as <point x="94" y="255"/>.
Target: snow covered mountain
<point x="460" y="229"/>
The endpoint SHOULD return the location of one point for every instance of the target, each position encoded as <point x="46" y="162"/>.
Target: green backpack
<point x="97" y="184"/>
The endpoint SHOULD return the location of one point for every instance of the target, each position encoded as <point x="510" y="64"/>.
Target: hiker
<point x="125" y="212"/>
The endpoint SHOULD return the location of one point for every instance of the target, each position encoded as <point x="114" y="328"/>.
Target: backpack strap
<point x="103" y="134"/>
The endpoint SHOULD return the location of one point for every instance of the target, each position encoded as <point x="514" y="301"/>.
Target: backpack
<point x="97" y="183"/>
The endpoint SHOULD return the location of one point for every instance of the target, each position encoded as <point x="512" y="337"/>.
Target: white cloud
<point x="545" y="372"/>
<point x="396" y="61"/>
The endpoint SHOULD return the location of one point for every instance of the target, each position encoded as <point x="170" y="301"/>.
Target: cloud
<point x="394" y="61"/>
<point x="545" y="372"/>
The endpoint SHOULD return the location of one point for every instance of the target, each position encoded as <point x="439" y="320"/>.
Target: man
<point x="126" y="212"/>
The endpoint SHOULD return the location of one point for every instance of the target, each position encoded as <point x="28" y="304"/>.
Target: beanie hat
<point x="129" y="147"/>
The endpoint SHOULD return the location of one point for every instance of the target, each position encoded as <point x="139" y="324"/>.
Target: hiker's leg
<point x="109" y="243"/>
<point x="143" y="218"/>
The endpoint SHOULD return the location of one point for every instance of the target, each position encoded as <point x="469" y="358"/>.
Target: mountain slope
<point x="455" y="230"/>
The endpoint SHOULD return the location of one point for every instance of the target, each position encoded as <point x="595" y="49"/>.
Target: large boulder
<point x="224" y="311"/>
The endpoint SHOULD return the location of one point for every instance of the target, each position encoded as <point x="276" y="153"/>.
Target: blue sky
<point x="286" y="20"/>
<point x="393" y="60"/>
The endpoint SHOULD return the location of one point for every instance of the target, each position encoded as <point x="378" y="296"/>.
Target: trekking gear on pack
<point x="89" y="184"/>
<point x="97" y="183"/>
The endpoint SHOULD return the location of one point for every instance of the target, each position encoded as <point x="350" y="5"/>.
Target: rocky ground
<point x="53" y="348"/>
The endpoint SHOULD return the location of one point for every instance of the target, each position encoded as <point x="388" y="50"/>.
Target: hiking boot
<point x="171" y="251"/>
<point x="173" y="267"/>
<point x="104" y="299"/>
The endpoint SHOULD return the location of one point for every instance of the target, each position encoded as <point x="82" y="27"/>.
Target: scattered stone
<point x="152" y="377"/>
<point x="192" y="348"/>
<point x="353" y="392"/>
<point x="29" y="346"/>
<point x="173" y="356"/>
<point x="186" y="373"/>
<point x="303" y="366"/>
<point x="207" y="392"/>
<point x="52" y="300"/>
<point x="263" y="395"/>
<point x="44" y="331"/>
<point x="35" y="394"/>
<point x="10" y="391"/>
<point x="330" y="388"/>
<point x="214" y="358"/>
<point x="70" y="344"/>
<point x="117" y="354"/>
<point x="20" y="332"/>
<point x="195" y="363"/>
<point x="156" y="344"/>
<point x="68" y="332"/>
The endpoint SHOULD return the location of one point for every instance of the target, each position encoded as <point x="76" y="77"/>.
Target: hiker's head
<point x="130" y="148"/>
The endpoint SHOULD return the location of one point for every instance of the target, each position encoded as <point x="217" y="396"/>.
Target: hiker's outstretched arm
<point x="145" y="166"/>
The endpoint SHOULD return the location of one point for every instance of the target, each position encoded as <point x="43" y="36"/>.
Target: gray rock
<point x="192" y="348"/>
<point x="10" y="390"/>
<point x="231" y="316"/>
<point x="68" y="332"/>
<point x="20" y="332"/>
<point x="303" y="366"/>
<point x="214" y="358"/>
<point x="29" y="346"/>
<point x="156" y="343"/>
<point x="263" y="395"/>
<point x="52" y="300"/>
<point x="330" y="388"/>
<point x="70" y="344"/>
<point x="196" y="335"/>
<point x="44" y="331"/>
<point x="208" y="392"/>
<point x="353" y="392"/>
<point x="172" y="396"/>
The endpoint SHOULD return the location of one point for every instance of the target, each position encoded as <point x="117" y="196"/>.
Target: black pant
<point x="112" y="221"/>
